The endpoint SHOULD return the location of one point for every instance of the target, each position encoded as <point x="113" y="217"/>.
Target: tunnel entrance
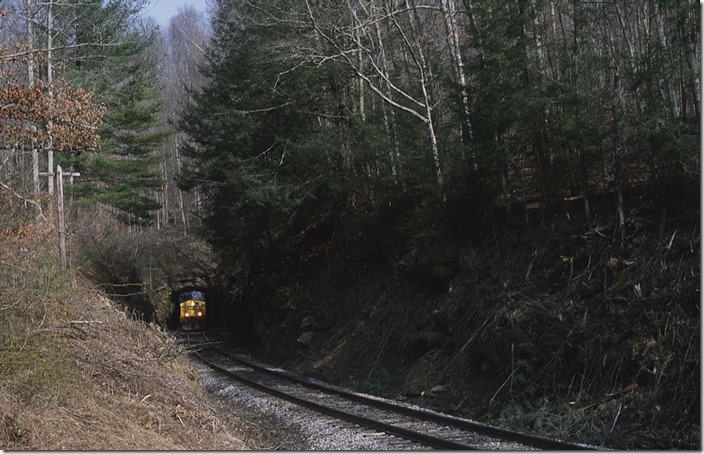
<point x="218" y="306"/>
<point x="225" y="313"/>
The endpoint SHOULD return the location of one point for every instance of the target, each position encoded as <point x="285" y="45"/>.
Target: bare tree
<point x="405" y="23"/>
<point x="449" y="12"/>
<point x="184" y="45"/>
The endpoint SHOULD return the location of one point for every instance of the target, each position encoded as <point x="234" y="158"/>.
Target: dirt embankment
<point x="78" y="374"/>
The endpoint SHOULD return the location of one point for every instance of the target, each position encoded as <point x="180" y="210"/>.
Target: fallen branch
<point x="669" y="246"/>
<point x="627" y="389"/>
<point x="616" y="418"/>
<point x="598" y="230"/>
<point x="24" y="199"/>
<point x="630" y="388"/>
<point x="501" y="387"/>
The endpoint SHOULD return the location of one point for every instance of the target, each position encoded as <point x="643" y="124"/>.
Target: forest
<point x="297" y="113"/>
<point x="447" y="111"/>
<point x="295" y="136"/>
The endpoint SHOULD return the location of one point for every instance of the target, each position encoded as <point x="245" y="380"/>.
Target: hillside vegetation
<point x="77" y="372"/>
<point x="537" y="324"/>
<point x="542" y="327"/>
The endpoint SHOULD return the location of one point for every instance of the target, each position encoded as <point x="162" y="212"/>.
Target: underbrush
<point x="611" y="354"/>
<point x="380" y="382"/>
<point x="547" y="328"/>
<point x="77" y="373"/>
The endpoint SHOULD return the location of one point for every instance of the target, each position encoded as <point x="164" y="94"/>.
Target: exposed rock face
<point x="307" y="338"/>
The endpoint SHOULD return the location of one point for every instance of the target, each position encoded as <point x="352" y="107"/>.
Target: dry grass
<point x="77" y="374"/>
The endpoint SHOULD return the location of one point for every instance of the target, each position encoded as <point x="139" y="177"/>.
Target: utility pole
<point x="60" y="205"/>
<point x="60" y="211"/>
<point x="50" y="81"/>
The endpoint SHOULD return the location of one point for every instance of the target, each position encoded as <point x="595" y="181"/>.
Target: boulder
<point x="307" y="338"/>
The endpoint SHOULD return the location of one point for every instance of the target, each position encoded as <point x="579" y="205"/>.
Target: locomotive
<point x="192" y="309"/>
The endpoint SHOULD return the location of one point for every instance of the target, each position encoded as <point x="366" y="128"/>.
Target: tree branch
<point x="24" y="199"/>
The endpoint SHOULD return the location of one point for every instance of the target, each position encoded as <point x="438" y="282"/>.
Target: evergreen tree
<point x="263" y="150"/>
<point x="114" y="53"/>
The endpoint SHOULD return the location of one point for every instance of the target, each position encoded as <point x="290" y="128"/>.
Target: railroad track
<point x="421" y="427"/>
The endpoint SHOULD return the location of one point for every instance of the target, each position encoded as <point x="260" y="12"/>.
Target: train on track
<point x="192" y="310"/>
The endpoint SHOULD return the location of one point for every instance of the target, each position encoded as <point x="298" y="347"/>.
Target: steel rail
<point x="483" y="429"/>
<point x="428" y="440"/>
<point x="422" y="414"/>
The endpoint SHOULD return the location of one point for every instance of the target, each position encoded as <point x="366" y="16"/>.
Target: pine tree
<point x="263" y="150"/>
<point x="115" y="54"/>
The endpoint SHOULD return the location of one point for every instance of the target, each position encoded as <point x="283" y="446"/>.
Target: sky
<point x="164" y="10"/>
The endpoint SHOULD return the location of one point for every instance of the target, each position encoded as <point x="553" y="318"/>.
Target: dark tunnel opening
<point x="224" y="312"/>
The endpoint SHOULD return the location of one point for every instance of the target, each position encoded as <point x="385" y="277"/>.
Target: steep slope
<point x="78" y="374"/>
<point x="541" y="326"/>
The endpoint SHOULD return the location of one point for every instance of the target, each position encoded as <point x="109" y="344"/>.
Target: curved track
<point x="420" y="426"/>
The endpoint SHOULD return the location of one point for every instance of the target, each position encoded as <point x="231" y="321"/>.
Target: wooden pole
<point x="50" y="81"/>
<point x="60" y="204"/>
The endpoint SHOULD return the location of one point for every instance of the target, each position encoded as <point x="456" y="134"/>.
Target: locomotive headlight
<point x="186" y="314"/>
<point x="200" y="314"/>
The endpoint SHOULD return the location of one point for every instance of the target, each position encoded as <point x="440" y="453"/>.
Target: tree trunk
<point x="28" y="11"/>
<point x="181" y="202"/>
<point x="429" y="98"/>
<point x="389" y="123"/>
<point x="50" y="80"/>
<point x="631" y="54"/>
<point x="449" y="11"/>
<point x="582" y="162"/>
<point x="356" y="29"/>
<point x="694" y="72"/>
<point x="618" y="164"/>
<point x="655" y="11"/>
